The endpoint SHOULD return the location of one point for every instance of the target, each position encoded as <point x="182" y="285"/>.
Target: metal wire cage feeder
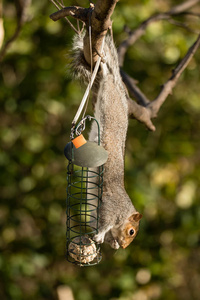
<point x="84" y="195"/>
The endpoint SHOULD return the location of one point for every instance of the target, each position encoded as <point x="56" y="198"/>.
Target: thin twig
<point x="1" y="25"/>
<point x="138" y="32"/>
<point x="10" y="41"/>
<point x="79" y="13"/>
<point x="70" y="24"/>
<point x="60" y="3"/>
<point x="155" y="105"/>
<point x="21" y="19"/>
<point x="83" y="26"/>
<point x="145" y="114"/>
<point x="56" y="5"/>
<point x="190" y="13"/>
<point x="182" y="7"/>
<point x="183" y="25"/>
<point x="78" y="25"/>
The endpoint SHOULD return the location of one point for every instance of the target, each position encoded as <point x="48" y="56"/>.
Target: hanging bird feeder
<point x="84" y="186"/>
<point x="84" y="194"/>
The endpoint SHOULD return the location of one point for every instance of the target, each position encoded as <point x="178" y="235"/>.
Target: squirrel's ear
<point x="135" y="217"/>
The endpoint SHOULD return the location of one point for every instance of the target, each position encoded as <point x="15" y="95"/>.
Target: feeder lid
<point x="88" y="155"/>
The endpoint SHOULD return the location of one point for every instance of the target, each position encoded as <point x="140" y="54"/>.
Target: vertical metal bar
<point x="86" y="200"/>
<point x="69" y="170"/>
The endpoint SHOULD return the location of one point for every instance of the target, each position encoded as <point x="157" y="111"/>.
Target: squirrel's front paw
<point x="99" y="238"/>
<point x="114" y="244"/>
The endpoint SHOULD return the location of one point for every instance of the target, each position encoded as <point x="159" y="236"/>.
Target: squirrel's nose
<point x="124" y="245"/>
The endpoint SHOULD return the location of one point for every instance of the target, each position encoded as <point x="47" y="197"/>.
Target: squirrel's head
<point x="129" y="230"/>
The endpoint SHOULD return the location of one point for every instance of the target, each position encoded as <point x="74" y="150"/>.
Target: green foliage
<point x="38" y="99"/>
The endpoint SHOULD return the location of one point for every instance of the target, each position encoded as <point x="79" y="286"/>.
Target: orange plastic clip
<point x="79" y="141"/>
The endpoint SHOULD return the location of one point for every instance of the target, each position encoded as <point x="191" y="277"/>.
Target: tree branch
<point x="76" y="12"/>
<point x="138" y="32"/>
<point x="100" y="23"/>
<point x="145" y="114"/>
<point x="99" y="18"/>
<point x="21" y="7"/>
<point x="140" y="113"/>
<point x="1" y="25"/>
<point x="58" y="5"/>
<point x="134" y="90"/>
<point x="182" y="7"/>
<point x="183" y="25"/>
<point x="155" y="105"/>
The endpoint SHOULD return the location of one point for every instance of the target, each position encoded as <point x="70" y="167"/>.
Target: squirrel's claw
<point x="99" y="238"/>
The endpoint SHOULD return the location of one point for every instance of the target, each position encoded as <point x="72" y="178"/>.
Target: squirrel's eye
<point x="131" y="231"/>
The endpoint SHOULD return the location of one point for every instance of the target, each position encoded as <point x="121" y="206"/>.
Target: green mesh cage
<point x="84" y="195"/>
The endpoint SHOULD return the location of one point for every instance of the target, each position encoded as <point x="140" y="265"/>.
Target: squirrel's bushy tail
<point x="82" y="70"/>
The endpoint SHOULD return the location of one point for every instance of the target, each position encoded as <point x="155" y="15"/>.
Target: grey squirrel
<point x="119" y="220"/>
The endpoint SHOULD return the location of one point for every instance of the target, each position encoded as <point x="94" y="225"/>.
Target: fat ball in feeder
<point x="82" y="249"/>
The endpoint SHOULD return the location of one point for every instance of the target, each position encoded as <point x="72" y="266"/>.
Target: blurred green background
<point x="38" y="99"/>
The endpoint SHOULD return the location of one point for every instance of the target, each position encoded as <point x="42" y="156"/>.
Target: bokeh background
<point x="38" y="99"/>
